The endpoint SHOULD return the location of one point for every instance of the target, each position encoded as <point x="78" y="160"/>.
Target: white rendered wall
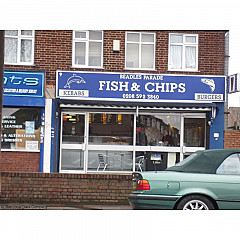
<point x="47" y="136"/>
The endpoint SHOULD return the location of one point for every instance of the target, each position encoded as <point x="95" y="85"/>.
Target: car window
<point x="231" y="165"/>
<point x="186" y="160"/>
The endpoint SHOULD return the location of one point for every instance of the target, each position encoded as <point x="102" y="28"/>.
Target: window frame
<point x="86" y="40"/>
<point x="140" y="50"/>
<point x="19" y="38"/>
<point x="184" y="44"/>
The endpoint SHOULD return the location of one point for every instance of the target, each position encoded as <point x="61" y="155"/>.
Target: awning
<point x="171" y="106"/>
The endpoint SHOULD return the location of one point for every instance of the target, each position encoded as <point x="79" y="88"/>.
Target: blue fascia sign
<point x="139" y="87"/>
<point x="23" y="84"/>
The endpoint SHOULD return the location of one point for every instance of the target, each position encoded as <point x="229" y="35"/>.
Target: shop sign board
<point x="23" y="84"/>
<point x="139" y="87"/>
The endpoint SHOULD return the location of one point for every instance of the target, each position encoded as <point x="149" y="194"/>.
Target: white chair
<point x="139" y="163"/>
<point x="102" y="162"/>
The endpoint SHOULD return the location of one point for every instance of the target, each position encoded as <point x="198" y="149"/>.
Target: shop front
<point x="122" y="122"/>
<point x="22" y="120"/>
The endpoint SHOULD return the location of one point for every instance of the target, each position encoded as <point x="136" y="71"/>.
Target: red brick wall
<point x="232" y="139"/>
<point x="53" y="51"/>
<point x="65" y="188"/>
<point x="19" y="161"/>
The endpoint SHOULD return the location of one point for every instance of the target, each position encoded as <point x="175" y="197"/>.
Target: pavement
<point x="30" y="206"/>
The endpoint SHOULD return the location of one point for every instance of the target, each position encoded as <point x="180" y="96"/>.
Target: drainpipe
<point x="226" y="67"/>
<point x="1" y="81"/>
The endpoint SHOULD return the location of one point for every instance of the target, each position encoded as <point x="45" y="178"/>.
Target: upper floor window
<point x="87" y="49"/>
<point x="140" y="50"/>
<point x="19" y="47"/>
<point x="183" y="52"/>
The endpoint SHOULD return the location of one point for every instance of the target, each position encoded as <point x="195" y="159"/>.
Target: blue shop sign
<point x="27" y="84"/>
<point x="139" y="87"/>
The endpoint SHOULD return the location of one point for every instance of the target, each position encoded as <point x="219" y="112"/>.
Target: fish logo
<point x="74" y="79"/>
<point x="209" y="82"/>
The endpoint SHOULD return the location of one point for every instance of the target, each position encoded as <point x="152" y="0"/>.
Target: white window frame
<point x="140" y="50"/>
<point x="86" y="40"/>
<point x="19" y="38"/>
<point x="184" y="44"/>
<point x="232" y="87"/>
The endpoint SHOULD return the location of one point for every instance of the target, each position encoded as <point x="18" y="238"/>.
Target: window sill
<point x="19" y="150"/>
<point x="19" y="64"/>
<point x="88" y="67"/>
<point x="182" y="70"/>
<point x="140" y="69"/>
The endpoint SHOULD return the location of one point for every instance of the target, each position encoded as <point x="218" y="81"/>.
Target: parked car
<point x="205" y="180"/>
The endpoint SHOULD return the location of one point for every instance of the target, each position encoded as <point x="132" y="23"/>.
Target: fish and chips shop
<point x="23" y="113"/>
<point x="122" y="122"/>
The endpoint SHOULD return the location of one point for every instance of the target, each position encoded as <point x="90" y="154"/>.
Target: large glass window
<point x="72" y="159"/>
<point x="87" y="48"/>
<point x="122" y="142"/>
<point x="158" y="130"/>
<point x="73" y="128"/>
<point x="19" y="47"/>
<point x="110" y="129"/>
<point x="110" y="160"/>
<point x="183" y="52"/>
<point x="194" y="132"/>
<point x="140" y="50"/>
<point x="21" y="129"/>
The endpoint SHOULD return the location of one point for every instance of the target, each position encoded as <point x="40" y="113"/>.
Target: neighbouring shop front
<point x="22" y="114"/>
<point x="123" y="122"/>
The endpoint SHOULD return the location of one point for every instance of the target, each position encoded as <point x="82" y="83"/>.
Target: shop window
<point x="110" y="161"/>
<point x="158" y="130"/>
<point x="140" y="50"/>
<point x="183" y="52"/>
<point x="110" y="129"/>
<point x="194" y="132"/>
<point x="231" y="165"/>
<point x="73" y="128"/>
<point x="87" y="48"/>
<point x="19" y="47"/>
<point x="21" y="129"/>
<point x="72" y="159"/>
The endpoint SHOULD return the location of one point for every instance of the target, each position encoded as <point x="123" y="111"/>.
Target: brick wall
<point x="53" y="51"/>
<point x="64" y="188"/>
<point x="232" y="139"/>
<point x="19" y="161"/>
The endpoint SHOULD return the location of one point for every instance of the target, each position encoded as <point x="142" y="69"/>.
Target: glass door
<point x="73" y="142"/>
<point x="194" y="134"/>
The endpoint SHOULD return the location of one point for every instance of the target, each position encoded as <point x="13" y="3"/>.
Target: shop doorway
<point x="73" y="141"/>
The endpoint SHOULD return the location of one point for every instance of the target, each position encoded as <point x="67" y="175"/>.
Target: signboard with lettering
<point x="139" y="87"/>
<point x="29" y="84"/>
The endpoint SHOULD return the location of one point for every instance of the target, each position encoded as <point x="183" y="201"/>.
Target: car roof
<point x="206" y="161"/>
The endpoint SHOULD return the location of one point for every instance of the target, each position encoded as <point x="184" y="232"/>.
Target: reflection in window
<point x="105" y="128"/>
<point x="73" y="128"/>
<point x="194" y="132"/>
<point x="21" y="128"/>
<point x="110" y="161"/>
<point x="231" y="165"/>
<point x="158" y="130"/>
